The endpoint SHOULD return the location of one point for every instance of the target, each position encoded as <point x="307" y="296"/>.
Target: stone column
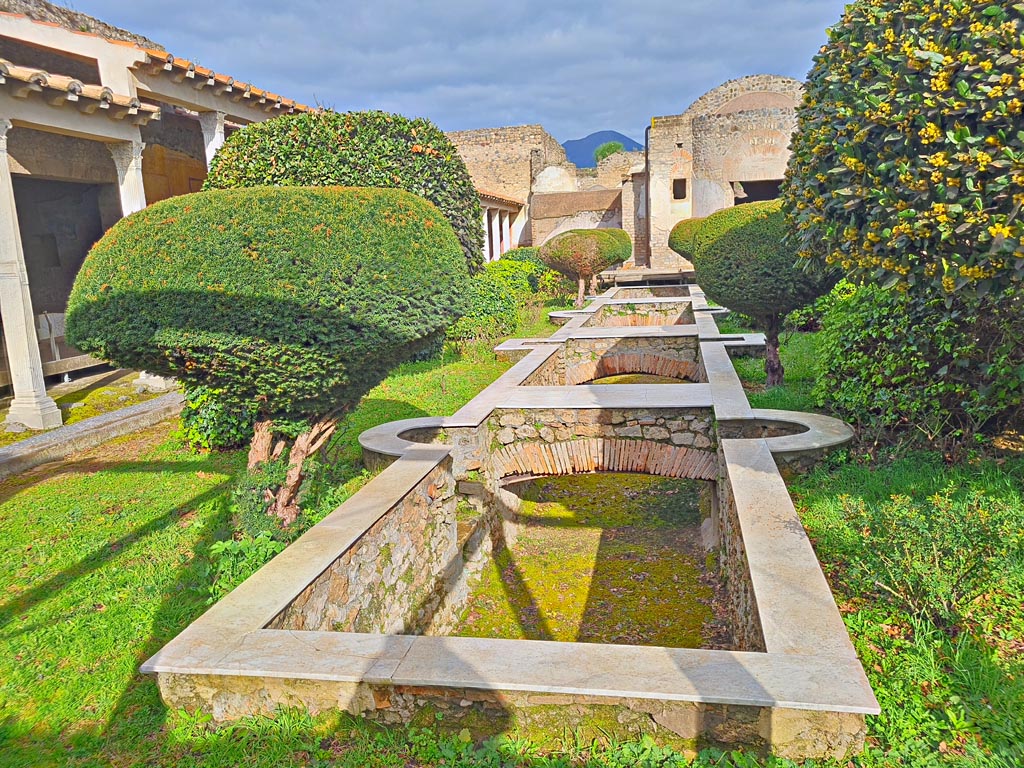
<point x="495" y="234"/>
<point x="31" y="405"/>
<point x="487" y="238"/>
<point x="212" y="124"/>
<point x="128" y="162"/>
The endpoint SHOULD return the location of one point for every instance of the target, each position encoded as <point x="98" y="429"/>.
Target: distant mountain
<point x="581" y="151"/>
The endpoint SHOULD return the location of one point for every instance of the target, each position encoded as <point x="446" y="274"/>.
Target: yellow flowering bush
<point x="908" y="162"/>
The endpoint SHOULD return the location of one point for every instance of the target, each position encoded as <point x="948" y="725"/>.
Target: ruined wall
<point x="737" y="131"/>
<point x="615" y="169"/>
<point x="740" y="146"/>
<point x="73" y="20"/>
<point x="506" y="161"/>
<point x="552" y="214"/>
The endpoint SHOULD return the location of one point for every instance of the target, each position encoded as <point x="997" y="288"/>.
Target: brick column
<point x="31" y="405"/>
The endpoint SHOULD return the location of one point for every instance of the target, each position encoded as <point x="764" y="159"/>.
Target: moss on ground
<point x="637" y="378"/>
<point x="601" y="558"/>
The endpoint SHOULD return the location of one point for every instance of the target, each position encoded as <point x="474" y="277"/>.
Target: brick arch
<point x="632" y="362"/>
<point x="601" y="454"/>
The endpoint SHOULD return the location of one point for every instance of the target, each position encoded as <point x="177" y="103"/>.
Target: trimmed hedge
<point x="743" y="262"/>
<point x="579" y="254"/>
<point x="358" y="149"/>
<point x="908" y="162"/>
<point x="683" y="238"/>
<point x="295" y="300"/>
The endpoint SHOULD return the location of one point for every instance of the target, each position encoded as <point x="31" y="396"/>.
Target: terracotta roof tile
<point x="171" y="63"/>
<point x="60" y="89"/>
<point x="499" y="198"/>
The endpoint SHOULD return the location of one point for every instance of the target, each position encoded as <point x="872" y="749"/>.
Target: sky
<point x="574" y="67"/>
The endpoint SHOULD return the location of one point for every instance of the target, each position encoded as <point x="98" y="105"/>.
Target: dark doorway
<point x="59" y="221"/>
<point x="756" y="191"/>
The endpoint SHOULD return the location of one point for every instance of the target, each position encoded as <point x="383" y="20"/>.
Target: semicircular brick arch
<point x="600" y="454"/>
<point x="621" y="363"/>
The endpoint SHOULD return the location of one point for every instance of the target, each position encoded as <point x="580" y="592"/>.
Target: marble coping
<point x="809" y="661"/>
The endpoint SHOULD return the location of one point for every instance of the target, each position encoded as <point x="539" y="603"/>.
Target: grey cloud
<point x="573" y="66"/>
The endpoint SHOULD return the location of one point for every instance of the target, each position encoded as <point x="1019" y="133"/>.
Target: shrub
<point x="933" y="556"/>
<point x="580" y="254"/>
<point x="494" y="297"/>
<point x="211" y="421"/>
<point x="744" y="263"/>
<point x="292" y="301"/>
<point x="894" y="362"/>
<point x="808" y="319"/>
<point x="355" y="149"/>
<point x="683" y="238"/>
<point x="607" y="149"/>
<point x="907" y="162"/>
<point x="526" y="253"/>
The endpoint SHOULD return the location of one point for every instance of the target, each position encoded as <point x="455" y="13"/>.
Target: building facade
<point x="91" y="129"/>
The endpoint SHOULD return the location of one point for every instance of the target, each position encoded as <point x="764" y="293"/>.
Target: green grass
<point x="797" y="352"/>
<point x="104" y="559"/>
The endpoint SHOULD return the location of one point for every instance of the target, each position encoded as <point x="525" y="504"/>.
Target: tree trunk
<point x="262" y="441"/>
<point x="582" y="292"/>
<point x="593" y="284"/>
<point x="772" y="362"/>
<point x="307" y="444"/>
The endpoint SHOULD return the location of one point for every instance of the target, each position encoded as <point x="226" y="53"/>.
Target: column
<point x="31" y="405"/>
<point x="495" y="234"/>
<point x="128" y="162"/>
<point x="487" y="237"/>
<point x="506" y="231"/>
<point x="212" y="124"/>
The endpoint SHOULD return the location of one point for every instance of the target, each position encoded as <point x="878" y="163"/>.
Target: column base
<point x="38" y="414"/>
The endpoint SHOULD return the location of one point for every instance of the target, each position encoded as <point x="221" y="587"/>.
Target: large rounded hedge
<point x="357" y="149"/>
<point x="744" y="262"/>
<point x="908" y="161"/>
<point x="580" y="254"/>
<point x="293" y="300"/>
<point x="683" y="238"/>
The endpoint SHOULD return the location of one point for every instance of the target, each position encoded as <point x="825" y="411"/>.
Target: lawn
<point x="106" y="558"/>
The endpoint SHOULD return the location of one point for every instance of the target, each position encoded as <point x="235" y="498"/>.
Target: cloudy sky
<point x="575" y="67"/>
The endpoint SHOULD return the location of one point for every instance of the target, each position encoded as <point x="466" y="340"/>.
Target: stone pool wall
<point x="615" y="315"/>
<point x="396" y="576"/>
<point x="579" y="361"/>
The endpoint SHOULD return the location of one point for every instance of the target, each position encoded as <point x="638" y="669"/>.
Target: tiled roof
<point x="59" y="90"/>
<point x="182" y="69"/>
<point x="500" y="199"/>
<point x="201" y="77"/>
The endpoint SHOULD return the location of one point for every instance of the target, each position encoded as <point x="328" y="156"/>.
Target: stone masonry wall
<point x="671" y="443"/>
<point x="633" y="315"/>
<point x="395" y="576"/>
<point x="735" y="571"/>
<point x="583" y="360"/>
<point x="506" y="160"/>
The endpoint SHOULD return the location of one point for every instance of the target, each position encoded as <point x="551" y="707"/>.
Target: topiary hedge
<point x="494" y="298"/>
<point x="683" y="238"/>
<point x="290" y="301"/>
<point x="908" y="162"/>
<point x="580" y="254"/>
<point x="743" y="262"/>
<point x="359" y="149"/>
<point x="299" y="299"/>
